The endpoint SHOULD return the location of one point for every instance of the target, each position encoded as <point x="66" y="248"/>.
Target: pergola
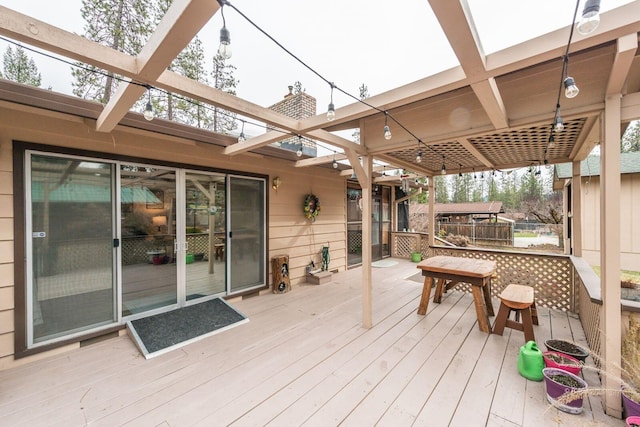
<point x="492" y="112"/>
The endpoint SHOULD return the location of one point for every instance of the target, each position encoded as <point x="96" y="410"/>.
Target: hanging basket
<point x="311" y="207"/>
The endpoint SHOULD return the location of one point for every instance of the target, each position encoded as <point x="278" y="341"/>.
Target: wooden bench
<point x="519" y="299"/>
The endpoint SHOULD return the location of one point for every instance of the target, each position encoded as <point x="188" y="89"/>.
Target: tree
<point x="17" y="66"/>
<point x="630" y="141"/>
<point x="189" y="63"/>
<point x="547" y="210"/>
<point x="223" y="121"/>
<point x="123" y="25"/>
<point x="440" y="187"/>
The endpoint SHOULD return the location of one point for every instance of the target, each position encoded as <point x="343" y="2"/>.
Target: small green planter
<point x="416" y="256"/>
<point x="189" y="258"/>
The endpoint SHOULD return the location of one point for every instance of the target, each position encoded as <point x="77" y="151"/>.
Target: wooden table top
<point x="470" y="267"/>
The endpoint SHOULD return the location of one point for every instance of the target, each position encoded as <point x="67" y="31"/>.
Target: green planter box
<point x="416" y="256"/>
<point x="189" y="258"/>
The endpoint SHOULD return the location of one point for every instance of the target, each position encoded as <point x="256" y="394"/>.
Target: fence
<point x="490" y="233"/>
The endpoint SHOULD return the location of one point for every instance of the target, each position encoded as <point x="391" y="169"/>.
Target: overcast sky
<point x="382" y="44"/>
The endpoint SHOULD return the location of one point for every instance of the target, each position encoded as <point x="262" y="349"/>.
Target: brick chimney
<point x="297" y="106"/>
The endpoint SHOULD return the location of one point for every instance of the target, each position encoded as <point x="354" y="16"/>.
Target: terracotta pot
<point x="555" y="390"/>
<point x="575" y="367"/>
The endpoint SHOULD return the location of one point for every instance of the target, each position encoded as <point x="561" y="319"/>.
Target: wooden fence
<point x="494" y="234"/>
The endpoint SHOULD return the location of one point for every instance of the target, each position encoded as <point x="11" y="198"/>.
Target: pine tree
<point x="189" y="63"/>
<point x="440" y="187"/>
<point x="123" y="25"/>
<point x="223" y="121"/>
<point x="20" y="68"/>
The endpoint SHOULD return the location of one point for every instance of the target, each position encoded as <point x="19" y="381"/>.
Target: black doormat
<point x="160" y="333"/>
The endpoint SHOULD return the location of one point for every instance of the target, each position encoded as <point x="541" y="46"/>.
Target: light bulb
<point x="590" y="17"/>
<point x="148" y="111"/>
<point x="225" y="43"/>
<point x="552" y="142"/>
<point x="444" y="169"/>
<point x="241" y="137"/>
<point x="419" y="157"/>
<point x="387" y="132"/>
<point x="331" y="112"/>
<point x="334" y="164"/>
<point x="559" y="125"/>
<point x="299" y="152"/>
<point x="570" y="88"/>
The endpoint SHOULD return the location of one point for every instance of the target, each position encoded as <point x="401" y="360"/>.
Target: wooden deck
<point x="304" y="359"/>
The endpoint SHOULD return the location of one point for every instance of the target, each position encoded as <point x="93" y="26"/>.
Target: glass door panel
<point x="246" y="241"/>
<point x="71" y="263"/>
<point x="148" y="221"/>
<point x="205" y="219"/>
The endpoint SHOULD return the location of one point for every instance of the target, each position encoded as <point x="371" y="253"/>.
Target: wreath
<point x="311" y="207"/>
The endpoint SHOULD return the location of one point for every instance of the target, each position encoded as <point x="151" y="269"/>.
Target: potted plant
<point x="631" y="369"/>
<point x="553" y="359"/>
<point x="568" y="348"/>
<point x="564" y="390"/>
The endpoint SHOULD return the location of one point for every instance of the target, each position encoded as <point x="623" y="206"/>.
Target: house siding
<point x="289" y="232"/>
<point x="629" y="228"/>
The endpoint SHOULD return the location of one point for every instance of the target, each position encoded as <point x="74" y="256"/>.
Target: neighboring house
<point x="590" y="202"/>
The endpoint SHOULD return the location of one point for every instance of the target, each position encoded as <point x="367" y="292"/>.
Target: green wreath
<point x="311" y="207"/>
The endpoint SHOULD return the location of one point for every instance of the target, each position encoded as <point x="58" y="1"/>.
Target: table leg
<point x="486" y="290"/>
<point x="440" y="287"/>
<point x="426" y="294"/>
<point x="481" y="309"/>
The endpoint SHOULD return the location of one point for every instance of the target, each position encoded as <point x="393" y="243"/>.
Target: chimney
<point x="297" y="106"/>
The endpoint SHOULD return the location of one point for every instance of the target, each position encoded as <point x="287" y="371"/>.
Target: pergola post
<point x="610" y="254"/>
<point x="367" y="301"/>
<point x="576" y="210"/>
<point x="432" y="211"/>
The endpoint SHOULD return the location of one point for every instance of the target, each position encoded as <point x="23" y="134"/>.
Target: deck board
<point x="304" y="358"/>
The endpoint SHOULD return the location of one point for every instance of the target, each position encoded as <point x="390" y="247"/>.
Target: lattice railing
<point x="405" y="243"/>
<point x="551" y="276"/>
<point x="589" y="311"/>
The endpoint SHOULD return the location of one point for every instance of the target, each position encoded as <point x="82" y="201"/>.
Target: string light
<point x="460" y="170"/>
<point x="148" y="109"/>
<point x="590" y="17"/>
<point x="387" y="131"/>
<point x="334" y="164"/>
<point x="419" y="156"/>
<point x="558" y="124"/>
<point x="444" y="167"/>
<point x="570" y="88"/>
<point x="224" y="50"/>
<point x="241" y="137"/>
<point x="331" y="111"/>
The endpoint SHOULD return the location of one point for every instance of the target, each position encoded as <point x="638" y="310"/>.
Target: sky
<point x="381" y="44"/>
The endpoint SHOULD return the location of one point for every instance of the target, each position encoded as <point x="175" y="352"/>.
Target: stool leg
<point x="534" y="313"/>
<point x="527" y="325"/>
<point x="501" y="319"/>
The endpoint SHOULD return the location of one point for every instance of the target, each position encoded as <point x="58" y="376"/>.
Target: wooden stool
<point x="520" y="299"/>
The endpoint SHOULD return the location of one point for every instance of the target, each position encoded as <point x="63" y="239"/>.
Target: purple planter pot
<point x="631" y="408"/>
<point x="555" y="390"/>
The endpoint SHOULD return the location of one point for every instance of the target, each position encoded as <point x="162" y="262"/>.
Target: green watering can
<point x="530" y="361"/>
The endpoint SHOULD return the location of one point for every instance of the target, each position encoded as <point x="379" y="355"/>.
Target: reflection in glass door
<point x="148" y="221"/>
<point x="205" y="219"/>
<point x="247" y="233"/>
<point x="71" y="286"/>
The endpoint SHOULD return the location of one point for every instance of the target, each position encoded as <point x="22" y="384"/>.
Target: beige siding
<point x="289" y="232"/>
<point x="629" y="227"/>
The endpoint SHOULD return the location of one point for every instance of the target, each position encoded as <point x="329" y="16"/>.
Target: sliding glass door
<point x="205" y="218"/>
<point x="109" y="241"/>
<point x="247" y="233"/>
<point x="70" y="246"/>
<point x="148" y="229"/>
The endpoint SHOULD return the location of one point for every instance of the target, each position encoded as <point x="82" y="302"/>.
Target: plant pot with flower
<point x="564" y="390"/>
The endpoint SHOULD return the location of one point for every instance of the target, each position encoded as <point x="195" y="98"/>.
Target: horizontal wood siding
<point x="289" y="231"/>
